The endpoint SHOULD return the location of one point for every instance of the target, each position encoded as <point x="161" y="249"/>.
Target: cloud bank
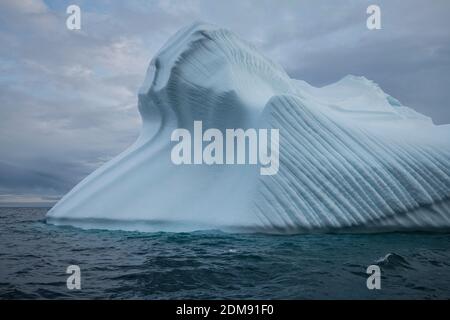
<point x="68" y="98"/>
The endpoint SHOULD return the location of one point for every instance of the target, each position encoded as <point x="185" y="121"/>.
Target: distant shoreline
<point x="27" y="205"/>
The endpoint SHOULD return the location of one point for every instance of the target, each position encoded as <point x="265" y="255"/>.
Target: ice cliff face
<point x="351" y="158"/>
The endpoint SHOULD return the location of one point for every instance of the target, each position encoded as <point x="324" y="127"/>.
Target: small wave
<point x="393" y="260"/>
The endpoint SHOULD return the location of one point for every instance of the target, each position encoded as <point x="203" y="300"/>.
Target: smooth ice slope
<point x="352" y="158"/>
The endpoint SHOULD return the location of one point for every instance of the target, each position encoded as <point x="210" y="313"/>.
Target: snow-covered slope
<point x="352" y="158"/>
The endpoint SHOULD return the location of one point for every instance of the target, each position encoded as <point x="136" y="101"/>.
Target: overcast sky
<point x="68" y="98"/>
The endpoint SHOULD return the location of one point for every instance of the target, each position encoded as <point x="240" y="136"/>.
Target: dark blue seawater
<point x="212" y="265"/>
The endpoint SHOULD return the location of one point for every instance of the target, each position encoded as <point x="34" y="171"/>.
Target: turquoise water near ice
<point x="213" y="264"/>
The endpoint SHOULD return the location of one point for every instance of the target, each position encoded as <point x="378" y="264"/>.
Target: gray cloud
<point x="68" y="99"/>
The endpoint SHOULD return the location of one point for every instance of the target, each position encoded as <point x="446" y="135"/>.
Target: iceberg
<point x="351" y="157"/>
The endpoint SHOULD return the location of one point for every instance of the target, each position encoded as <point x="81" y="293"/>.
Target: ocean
<point x="34" y="257"/>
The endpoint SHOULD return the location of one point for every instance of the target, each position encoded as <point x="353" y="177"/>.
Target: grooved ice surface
<point x="352" y="158"/>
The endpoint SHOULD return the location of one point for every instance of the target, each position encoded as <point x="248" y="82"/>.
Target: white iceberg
<point x="351" y="157"/>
